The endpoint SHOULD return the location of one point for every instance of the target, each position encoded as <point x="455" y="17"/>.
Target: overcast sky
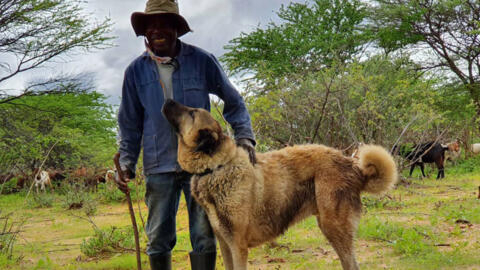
<point x="214" y="23"/>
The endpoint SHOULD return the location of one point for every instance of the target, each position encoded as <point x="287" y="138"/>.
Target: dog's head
<point x="196" y="128"/>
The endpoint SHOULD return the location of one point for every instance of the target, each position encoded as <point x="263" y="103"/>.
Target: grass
<point x="422" y="224"/>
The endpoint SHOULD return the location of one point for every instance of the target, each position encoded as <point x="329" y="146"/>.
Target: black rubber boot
<point x="161" y="262"/>
<point x="203" y="261"/>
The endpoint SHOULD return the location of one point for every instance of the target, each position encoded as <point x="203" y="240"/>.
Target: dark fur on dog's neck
<point x="208" y="171"/>
<point x="196" y="162"/>
<point x="208" y="143"/>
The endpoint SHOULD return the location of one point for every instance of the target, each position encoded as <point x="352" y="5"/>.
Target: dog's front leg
<point x="226" y="253"/>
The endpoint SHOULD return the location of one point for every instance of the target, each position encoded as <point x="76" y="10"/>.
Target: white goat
<point x="110" y="176"/>
<point x="475" y="148"/>
<point x="41" y="180"/>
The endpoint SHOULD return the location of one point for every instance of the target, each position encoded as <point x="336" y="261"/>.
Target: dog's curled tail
<point x="378" y="167"/>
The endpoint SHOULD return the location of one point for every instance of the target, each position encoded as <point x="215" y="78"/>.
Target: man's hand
<point x="248" y="146"/>
<point x="122" y="184"/>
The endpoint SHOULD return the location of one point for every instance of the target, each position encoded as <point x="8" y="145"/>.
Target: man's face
<point x="161" y="33"/>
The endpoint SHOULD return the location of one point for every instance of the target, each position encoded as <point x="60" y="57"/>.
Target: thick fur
<point x="249" y="205"/>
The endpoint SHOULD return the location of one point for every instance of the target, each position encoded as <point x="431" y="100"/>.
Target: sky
<point x="214" y="23"/>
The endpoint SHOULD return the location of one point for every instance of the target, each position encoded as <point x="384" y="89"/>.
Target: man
<point x="171" y="69"/>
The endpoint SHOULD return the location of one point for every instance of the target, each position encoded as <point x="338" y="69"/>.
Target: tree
<point x="448" y="28"/>
<point x="34" y="32"/>
<point x="341" y="105"/>
<point x="78" y="126"/>
<point x="311" y="37"/>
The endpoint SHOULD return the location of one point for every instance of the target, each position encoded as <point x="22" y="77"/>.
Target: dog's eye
<point x="192" y="114"/>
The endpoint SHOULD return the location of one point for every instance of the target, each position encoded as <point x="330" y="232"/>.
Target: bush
<point x="9" y="187"/>
<point x="76" y="197"/>
<point x="109" y="192"/>
<point x="9" y="231"/>
<point x="111" y="240"/>
<point x="464" y="166"/>
<point x="90" y="207"/>
<point x="41" y="200"/>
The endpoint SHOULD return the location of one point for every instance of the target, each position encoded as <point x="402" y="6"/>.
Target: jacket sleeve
<point x="234" y="111"/>
<point x="130" y="122"/>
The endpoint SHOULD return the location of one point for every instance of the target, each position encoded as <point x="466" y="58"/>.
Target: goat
<point x="41" y="180"/>
<point x="475" y="148"/>
<point x="110" y="176"/>
<point x="453" y="153"/>
<point x="429" y="152"/>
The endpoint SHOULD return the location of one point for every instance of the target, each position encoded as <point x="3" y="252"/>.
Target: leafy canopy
<point x="309" y="37"/>
<point x="78" y="127"/>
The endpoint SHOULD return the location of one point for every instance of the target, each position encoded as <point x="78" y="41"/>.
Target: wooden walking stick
<point x="116" y="161"/>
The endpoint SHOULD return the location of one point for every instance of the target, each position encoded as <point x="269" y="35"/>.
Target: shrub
<point x="90" y="207"/>
<point x="75" y="197"/>
<point x="464" y="166"/>
<point x="41" y="200"/>
<point x="9" y="231"/>
<point x="9" y="187"/>
<point x="109" y="192"/>
<point x="111" y="240"/>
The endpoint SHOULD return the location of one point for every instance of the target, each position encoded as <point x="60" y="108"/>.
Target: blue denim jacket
<point x="140" y="118"/>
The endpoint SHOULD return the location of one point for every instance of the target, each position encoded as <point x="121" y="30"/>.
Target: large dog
<point x="248" y="205"/>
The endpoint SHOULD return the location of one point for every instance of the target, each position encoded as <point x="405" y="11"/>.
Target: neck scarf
<point x="158" y="59"/>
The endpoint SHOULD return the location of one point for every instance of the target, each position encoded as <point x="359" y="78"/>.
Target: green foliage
<point x="9" y="232"/>
<point x="109" y="192"/>
<point x="9" y="186"/>
<point x="464" y="166"/>
<point x="41" y="200"/>
<point x="44" y="263"/>
<point x="78" y="128"/>
<point x="111" y="240"/>
<point x="90" y="207"/>
<point x="311" y="36"/>
<point x="447" y="28"/>
<point x="364" y="101"/>
<point x="76" y="197"/>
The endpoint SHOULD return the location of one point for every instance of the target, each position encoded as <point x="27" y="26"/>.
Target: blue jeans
<point x="162" y="199"/>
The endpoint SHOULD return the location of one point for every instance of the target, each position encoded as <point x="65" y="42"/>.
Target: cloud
<point x="214" y="22"/>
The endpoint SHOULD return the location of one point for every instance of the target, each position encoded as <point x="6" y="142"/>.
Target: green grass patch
<point x="406" y="241"/>
<point x="463" y="209"/>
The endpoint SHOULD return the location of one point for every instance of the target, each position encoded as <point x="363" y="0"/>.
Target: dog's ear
<point x="207" y="141"/>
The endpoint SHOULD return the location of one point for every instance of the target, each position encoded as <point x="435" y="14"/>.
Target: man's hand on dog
<point x="248" y="146"/>
<point x="122" y="184"/>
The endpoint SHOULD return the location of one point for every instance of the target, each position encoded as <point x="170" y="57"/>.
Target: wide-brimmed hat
<point x="159" y="8"/>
